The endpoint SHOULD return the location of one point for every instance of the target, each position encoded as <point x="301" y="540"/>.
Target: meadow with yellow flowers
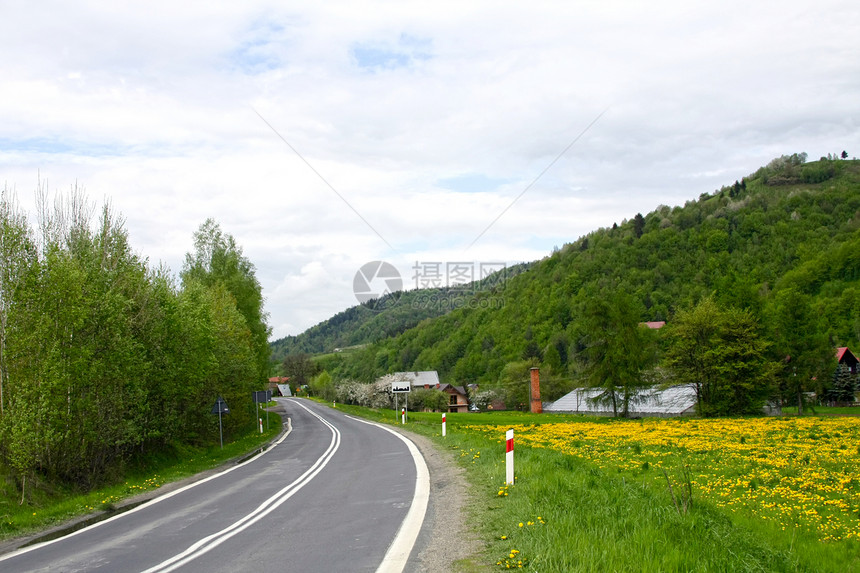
<point x="795" y="472"/>
<point x="600" y="494"/>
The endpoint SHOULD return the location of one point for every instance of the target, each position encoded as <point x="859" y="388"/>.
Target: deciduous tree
<point x="720" y="353"/>
<point x="218" y="259"/>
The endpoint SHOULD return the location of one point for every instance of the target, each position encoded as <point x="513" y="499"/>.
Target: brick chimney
<point x="536" y="406"/>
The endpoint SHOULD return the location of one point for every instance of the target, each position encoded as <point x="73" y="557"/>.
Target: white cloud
<point x="428" y="120"/>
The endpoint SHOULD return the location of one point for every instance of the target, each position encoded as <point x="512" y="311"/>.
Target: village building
<point x="673" y="401"/>
<point x="279" y="385"/>
<point x="458" y="400"/>
<point x="846" y="357"/>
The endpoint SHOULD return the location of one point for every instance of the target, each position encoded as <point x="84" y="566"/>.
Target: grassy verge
<point x="46" y="507"/>
<point x="566" y="513"/>
<point x="835" y="410"/>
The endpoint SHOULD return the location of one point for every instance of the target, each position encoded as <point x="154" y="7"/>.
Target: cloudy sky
<point x="328" y="134"/>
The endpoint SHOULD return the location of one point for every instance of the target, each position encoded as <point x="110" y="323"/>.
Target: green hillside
<point x="791" y="225"/>
<point x="383" y="318"/>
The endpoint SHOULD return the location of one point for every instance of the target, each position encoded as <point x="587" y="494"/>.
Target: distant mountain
<point x="790" y="224"/>
<point x="386" y="317"/>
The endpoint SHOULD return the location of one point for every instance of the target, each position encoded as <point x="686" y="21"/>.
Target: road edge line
<point x="398" y="553"/>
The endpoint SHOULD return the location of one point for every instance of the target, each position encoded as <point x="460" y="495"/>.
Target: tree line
<point x="104" y="358"/>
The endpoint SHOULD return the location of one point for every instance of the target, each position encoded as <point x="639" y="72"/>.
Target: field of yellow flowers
<point x="794" y="472"/>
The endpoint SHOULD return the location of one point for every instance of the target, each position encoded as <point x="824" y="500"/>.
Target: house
<point x="279" y="386"/>
<point x="423" y="379"/>
<point x="846" y="357"/>
<point x="674" y="401"/>
<point x="458" y="400"/>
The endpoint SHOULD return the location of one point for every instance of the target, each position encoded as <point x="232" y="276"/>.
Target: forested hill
<point x="383" y="318"/>
<point x="791" y="225"/>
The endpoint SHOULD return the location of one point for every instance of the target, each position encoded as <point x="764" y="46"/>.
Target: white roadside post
<point x="403" y="415"/>
<point x="261" y="424"/>
<point x="443" y="425"/>
<point x="509" y="457"/>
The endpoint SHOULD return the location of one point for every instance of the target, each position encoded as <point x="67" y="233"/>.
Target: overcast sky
<point x="326" y="135"/>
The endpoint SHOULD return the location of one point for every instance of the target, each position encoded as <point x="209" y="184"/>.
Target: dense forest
<point x="386" y="317"/>
<point x="777" y="252"/>
<point x="103" y="358"/>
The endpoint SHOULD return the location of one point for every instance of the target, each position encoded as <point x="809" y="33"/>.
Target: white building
<point x="673" y="401"/>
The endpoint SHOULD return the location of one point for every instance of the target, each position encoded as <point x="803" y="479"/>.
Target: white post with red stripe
<point x="509" y="457"/>
<point x="402" y="415"/>
<point x="261" y="424"/>
<point x="443" y="425"/>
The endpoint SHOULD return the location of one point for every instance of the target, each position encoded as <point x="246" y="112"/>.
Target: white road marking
<point x="212" y="541"/>
<point x="398" y="552"/>
<point x="151" y="502"/>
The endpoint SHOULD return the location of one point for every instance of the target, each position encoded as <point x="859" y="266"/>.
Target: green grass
<point x="578" y="517"/>
<point x="834" y="411"/>
<point x="48" y="506"/>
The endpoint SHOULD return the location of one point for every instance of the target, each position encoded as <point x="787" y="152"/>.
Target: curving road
<point x="335" y="494"/>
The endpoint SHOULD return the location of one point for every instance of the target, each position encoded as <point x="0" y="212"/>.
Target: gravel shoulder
<point x="446" y="543"/>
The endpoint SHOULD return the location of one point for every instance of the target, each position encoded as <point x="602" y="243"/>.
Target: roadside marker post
<point x="443" y="425"/>
<point x="403" y="415"/>
<point x="509" y="457"/>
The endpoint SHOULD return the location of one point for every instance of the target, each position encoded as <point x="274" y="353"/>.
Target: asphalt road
<point x="332" y="496"/>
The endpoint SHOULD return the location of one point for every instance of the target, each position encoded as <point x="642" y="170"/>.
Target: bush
<point x="373" y="395"/>
<point x="429" y="400"/>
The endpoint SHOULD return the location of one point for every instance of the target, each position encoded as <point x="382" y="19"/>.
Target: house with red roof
<point x="279" y="385"/>
<point x="846" y="357"/>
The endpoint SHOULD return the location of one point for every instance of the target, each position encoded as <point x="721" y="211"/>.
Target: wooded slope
<point x="791" y="224"/>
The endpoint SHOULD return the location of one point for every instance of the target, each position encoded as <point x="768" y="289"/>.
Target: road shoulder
<point x="445" y="538"/>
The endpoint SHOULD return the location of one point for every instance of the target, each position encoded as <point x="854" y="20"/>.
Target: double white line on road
<point x="151" y="502"/>
<point x="211" y="542"/>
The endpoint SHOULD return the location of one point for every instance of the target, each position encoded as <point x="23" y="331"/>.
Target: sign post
<point x="219" y="408"/>
<point x="401" y="387"/>
<point x="262" y="397"/>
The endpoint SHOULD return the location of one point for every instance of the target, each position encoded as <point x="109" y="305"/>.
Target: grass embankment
<point x="48" y="506"/>
<point x="591" y="494"/>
